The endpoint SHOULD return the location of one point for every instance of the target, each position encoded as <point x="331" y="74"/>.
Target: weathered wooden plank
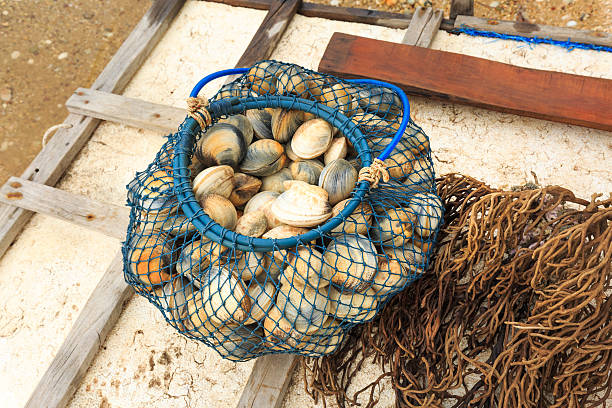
<point x="431" y="29"/>
<point x="268" y="381"/>
<point x="58" y="153"/>
<point x="461" y="7"/>
<point x="555" y="96"/>
<point x="106" y="218"/>
<point x="88" y="333"/>
<point x="420" y="18"/>
<point x="127" y="111"/>
<point x="535" y="30"/>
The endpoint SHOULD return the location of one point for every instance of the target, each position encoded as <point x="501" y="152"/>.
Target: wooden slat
<point x="268" y="381"/>
<point x="127" y="111"/>
<point x="556" y="96"/>
<point x="50" y="164"/>
<point x="535" y="30"/>
<point x="420" y="18"/>
<point x="109" y="219"/>
<point x="88" y="333"/>
<point x="431" y="29"/>
<point x="461" y="7"/>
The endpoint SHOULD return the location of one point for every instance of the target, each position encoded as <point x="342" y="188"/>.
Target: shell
<point x="155" y="193"/>
<point x="337" y="150"/>
<point x="272" y="220"/>
<point x="277" y="329"/>
<point x="221" y="144"/>
<point x="321" y="345"/>
<point x="219" y="209"/>
<point x="196" y="257"/>
<point x="312" y="139"/>
<point x="245" y="187"/>
<point x="390" y="276"/>
<point x="306" y="170"/>
<point x="306" y="268"/>
<point x="422" y="176"/>
<point x="275" y="181"/>
<point x="294" y="80"/>
<point x="399" y="163"/>
<point x="252" y="224"/>
<point x="248" y="264"/>
<point x="338" y="178"/>
<point x="303" y="307"/>
<point x="260" y="201"/>
<point x="285" y="123"/>
<point x="290" y="154"/>
<point x="261" y="120"/>
<point x="262" y="77"/>
<point x="150" y="259"/>
<point x="263" y="158"/>
<point x="243" y="124"/>
<point x="337" y="97"/>
<point x="374" y="124"/>
<point x="262" y="298"/>
<point x="428" y="209"/>
<point x="176" y="294"/>
<point x="352" y="307"/>
<point x="283" y="231"/>
<point x="356" y="223"/>
<point x="410" y="257"/>
<point x="302" y="205"/>
<point x="394" y="227"/>
<point x="214" y="180"/>
<point x="178" y="225"/>
<point x="379" y="100"/>
<point x="355" y="260"/>
<point x="224" y="296"/>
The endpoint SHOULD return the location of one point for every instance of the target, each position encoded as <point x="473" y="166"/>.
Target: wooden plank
<point x="50" y="164"/>
<point x="268" y="381"/>
<point x="109" y="219"/>
<point x="535" y="30"/>
<point x="127" y="111"/>
<point x="431" y="29"/>
<point x="88" y="333"/>
<point x="269" y="32"/>
<point x="461" y="7"/>
<point x="555" y="96"/>
<point x="419" y="20"/>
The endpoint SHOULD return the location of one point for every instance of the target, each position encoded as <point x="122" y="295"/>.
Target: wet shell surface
<point x="304" y="308"/>
<point x="285" y="123"/>
<point x="221" y="144"/>
<point x="224" y="296"/>
<point x="262" y="298"/>
<point x="252" y="224"/>
<point x="338" y="178"/>
<point x="394" y="227"/>
<point x="176" y="294"/>
<point x="275" y="182"/>
<point x="219" y="209"/>
<point x="354" y="259"/>
<point x="428" y="210"/>
<point x="150" y="259"/>
<point x="306" y="170"/>
<point x="337" y="150"/>
<point x="243" y="124"/>
<point x="356" y="223"/>
<point x="302" y="205"/>
<point x="352" y="307"/>
<point x="263" y="158"/>
<point x="245" y="187"/>
<point x="306" y="267"/>
<point x="312" y="139"/>
<point x="260" y="201"/>
<point x="214" y="180"/>
<point x="261" y="120"/>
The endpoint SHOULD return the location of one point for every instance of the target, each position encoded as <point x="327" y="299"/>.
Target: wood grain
<point x="420" y="18"/>
<point x="535" y="30"/>
<point x="555" y="96"/>
<point x="50" y="164"/>
<point x="127" y="111"/>
<point x="268" y="381"/>
<point x="431" y="29"/>
<point x="109" y="219"/>
<point x="461" y="7"/>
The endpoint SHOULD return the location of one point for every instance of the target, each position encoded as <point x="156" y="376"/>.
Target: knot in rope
<point x="197" y="109"/>
<point x="374" y="172"/>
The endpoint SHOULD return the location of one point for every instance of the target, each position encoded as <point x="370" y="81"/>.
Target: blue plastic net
<point x="257" y="235"/>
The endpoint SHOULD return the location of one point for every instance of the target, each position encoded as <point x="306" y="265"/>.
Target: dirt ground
<point x="48" y="48"/>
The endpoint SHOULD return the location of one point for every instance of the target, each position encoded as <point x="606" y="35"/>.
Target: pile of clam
<point x="275" y="173"/>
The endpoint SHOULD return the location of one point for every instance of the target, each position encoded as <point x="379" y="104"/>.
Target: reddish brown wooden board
<point x="555" y="96"/>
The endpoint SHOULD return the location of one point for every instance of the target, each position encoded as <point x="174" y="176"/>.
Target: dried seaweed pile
<point x="515" y="311"/>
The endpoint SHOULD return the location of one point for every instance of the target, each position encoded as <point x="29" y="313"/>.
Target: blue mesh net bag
<point x="287" y="209"/>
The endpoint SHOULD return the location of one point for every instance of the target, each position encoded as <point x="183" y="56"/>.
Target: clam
<point x="273" y="266"/>
<point x="263" y="158"/>
<point x="409" y="256"/>
<point x="337" y="150"/>
<point x="214" y="180"/>
<point x="176" y="294"/>
<point x="261" y="120"/>
<point x="271" y="219"/>
<point x="150" y="259"/>
<point x="243" y="124"/>
<point x="196" y="257"/>
<point x="245" y="187"/>
<point x="303" y="307"/>
<point x="294" y="80"/>
<point x="274" y="182"/>
<point x="374" y="124"/>
<point x="399" y="163"/>
<point x="224" y="296"/>
<point x="252" y="224"/>
<point x="322" y="345"/>
<point x="419" y="249"/>
<point x="262" y="77"/>
<point x="312" y="139"/>
<point x="285" y="123"/>
<point x="277" y="329"/>
<point x="178" y="225"/>
<point x="416" y="141"/>
<point x="352" y="307"/>
<point x="379" y="100"/>
<point x="356" y="223"/>
<point x="337" y="97"/>
<point x="262" y="298"/>
<point x="155" y="193"/>
<point x="290" y="154"/>
<point x="421" y="177"/>
<point x="220" y="209"/>
<point x="390" y="276"/>
<point x="306" y="268"/>
<point x="221" y="144"/>
<point x="394" y="227"/>
<point x="280" y="232"/>
<point x="306" y="170"/>
<point x="195" y="167"/>
<point x="338" y="178"/>
<point x="354" y="259"/>
<point x="302" y="205"/>
<point x="428" y="209"/>
<point x="260" y="201"/>
<point x="248" y="264"/>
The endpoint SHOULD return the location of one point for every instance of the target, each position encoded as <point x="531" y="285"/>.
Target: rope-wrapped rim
<point x="231" y="106"/>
